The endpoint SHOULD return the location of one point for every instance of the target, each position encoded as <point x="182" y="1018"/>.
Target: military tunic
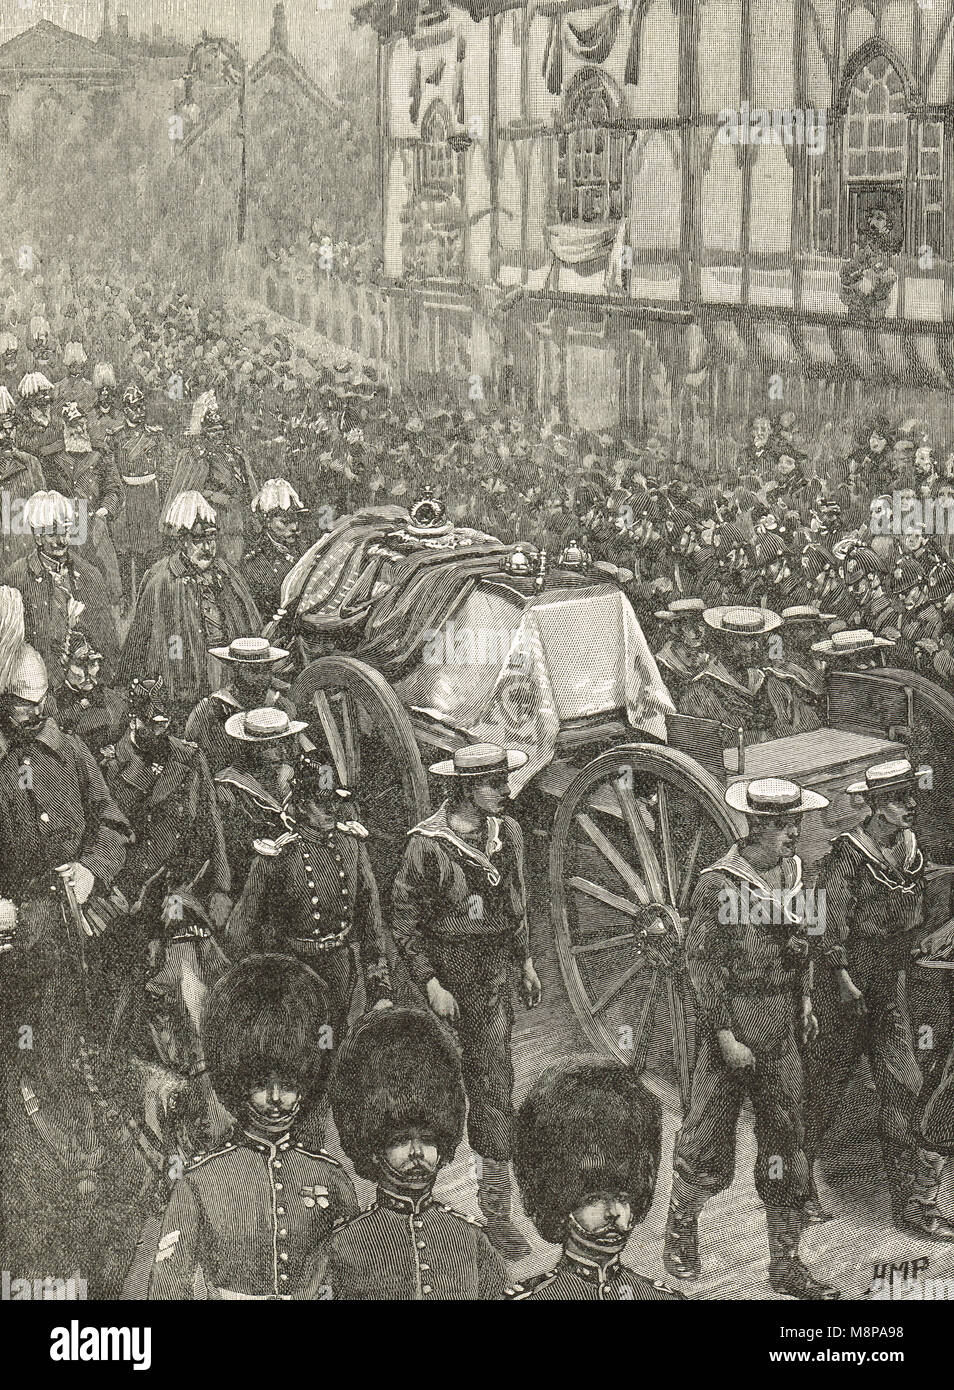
<point x="411" y="1251"/>
<point x="315" y="898"/>
<point x="139" y="452"/>
<point x="251" y="1216"/>
<point x="576" y="1280"/>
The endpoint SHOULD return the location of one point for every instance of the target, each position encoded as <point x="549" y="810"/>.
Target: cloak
<point x="169" y="606"/>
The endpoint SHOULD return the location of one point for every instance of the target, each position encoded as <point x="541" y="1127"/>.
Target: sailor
<point x="748" y="959"/>
<point x="460" y="919"/>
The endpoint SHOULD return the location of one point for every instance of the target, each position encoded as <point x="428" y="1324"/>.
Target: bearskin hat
<point x="267" y="1014"/>
<point x="586" y="1126"/>
<point x="399" y="1070"/>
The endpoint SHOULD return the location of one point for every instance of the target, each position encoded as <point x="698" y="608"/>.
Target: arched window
<point x="876" y="132"/>
<point x="439" y="167"/>
<point x="875" y="151"/>
<point x="590" y="154"/>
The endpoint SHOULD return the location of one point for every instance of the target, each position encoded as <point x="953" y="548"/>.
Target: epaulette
<point x="518" y="1291"/>
<point x="347" y="1220"/>
<point x="663" y="1287"/>
<point x="462" y="1216"/>
<point x="310" y="1153"/>
<point x="154" y="429"/>
<point x="352" y="827"/>
<point x="200" y="1160"/>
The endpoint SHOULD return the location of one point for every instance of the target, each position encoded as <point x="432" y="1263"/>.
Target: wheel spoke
<point x="612" y="855"/>
<point x="643" y="1034"/>
<point x="641" y="840"/>
<point x="605" y="896"/>
<point x="618" y="987"/>
<point x="588" y="947"/>
<point x="350" y="737"/>
<point x="332" y="735"/>
<point x="665" y="838"/>
<point x="689" y="872"/>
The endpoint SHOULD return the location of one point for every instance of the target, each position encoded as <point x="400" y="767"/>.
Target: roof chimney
<point x="279" y="37"/>
<point x="122" y="26"/>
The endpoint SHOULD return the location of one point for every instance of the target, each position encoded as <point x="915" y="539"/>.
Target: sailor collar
<point x="437" y="827"/>
<point x="667" y="656"/>
<point x="735" y="864"/>
<point x="408" y="1206"/>
<point x="225" y="697"/>
<point x="717" y="672"/>
<point x="235" y="777"/>
<point x="590" y="1270"/>
<point x="913" y="858"/>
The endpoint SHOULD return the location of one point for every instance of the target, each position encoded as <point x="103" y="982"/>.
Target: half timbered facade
<point x="579" y="200"/>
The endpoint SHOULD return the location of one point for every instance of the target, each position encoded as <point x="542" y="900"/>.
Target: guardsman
<point x="460" y="919"/>
<point x="587" y="1143"/>
<point x="251" y="1215"/>
<point x="38" y="433"/>
<point x="748" y="959"/>
<point x="874" y="880"/>
<point x="253" y="791"/>
<point x="398" y="1104"/>
<point x="163" y="787"/>
<point x="312" y="893"/>
<point x="86" y="475"/>
<point x="73" y="385"/>
<point x="248" y="665"/>
<point x="139" y="451"/>
<point x="267" y="561"/>
<point x="60" y="588"/>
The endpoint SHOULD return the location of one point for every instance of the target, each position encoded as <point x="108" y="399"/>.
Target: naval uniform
<point x="407" y="1250"/>
<point x="460" y="915"/>
<point x="749" y="977"/>
<point x="874" y="903"/>
<point x="251" y="1215"/>
<point x="577" y="1280"/>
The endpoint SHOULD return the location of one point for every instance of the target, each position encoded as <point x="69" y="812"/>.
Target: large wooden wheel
<point x="928" y="724"/>
<point x="355" y="717"/>
<point x="630" y="835"/>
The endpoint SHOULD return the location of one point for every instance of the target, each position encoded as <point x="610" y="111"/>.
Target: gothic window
<point x="590" y="155"/>
<point x="439" y="167"/>
<point x="876" y="125"/>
